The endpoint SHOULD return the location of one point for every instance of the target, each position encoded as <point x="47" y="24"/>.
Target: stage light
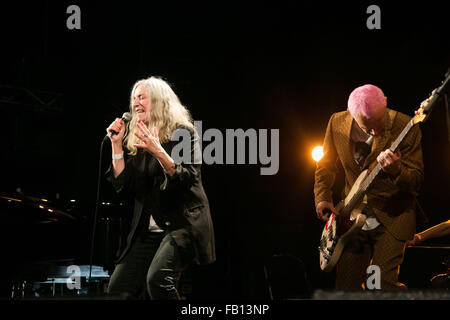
<point x="317" y="153"/>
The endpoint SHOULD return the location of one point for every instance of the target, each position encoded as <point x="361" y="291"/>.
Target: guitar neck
<point x="373" y="174"/>
<point x="365" y="184"/>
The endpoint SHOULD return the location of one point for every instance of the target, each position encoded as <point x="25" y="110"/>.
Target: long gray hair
<point x="167" y="112"/>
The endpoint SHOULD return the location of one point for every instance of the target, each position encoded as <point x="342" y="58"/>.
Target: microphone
<point x="126" y="117"/>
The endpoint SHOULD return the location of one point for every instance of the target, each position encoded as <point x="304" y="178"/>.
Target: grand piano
<point x="39" y="238"/>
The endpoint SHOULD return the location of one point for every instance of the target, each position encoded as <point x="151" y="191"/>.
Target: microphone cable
<point x="126" y="117"/>
<point x="94" y="227"/>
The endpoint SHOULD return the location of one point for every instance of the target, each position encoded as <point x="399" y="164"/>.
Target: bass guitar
<point x="341" y="227"/>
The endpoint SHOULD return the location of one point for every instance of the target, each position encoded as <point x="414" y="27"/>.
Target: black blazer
<point x="177" y="203"/>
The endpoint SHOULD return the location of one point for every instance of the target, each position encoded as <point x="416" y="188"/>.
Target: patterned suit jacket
<point x="393" y="200"/>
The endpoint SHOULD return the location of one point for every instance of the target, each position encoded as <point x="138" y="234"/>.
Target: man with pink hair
<point x="366" y="100"/>
<point x="358" y="139"/>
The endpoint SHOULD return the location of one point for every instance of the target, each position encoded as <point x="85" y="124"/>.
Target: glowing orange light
<point x="11" y="199"/>
<point x="317" y="153"/>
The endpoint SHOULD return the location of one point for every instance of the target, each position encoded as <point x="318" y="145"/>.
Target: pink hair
<point x="365" y="100"/>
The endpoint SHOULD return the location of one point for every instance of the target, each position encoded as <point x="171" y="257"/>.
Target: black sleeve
<point x="186" y="172"/>
<point x="123" y="183"/>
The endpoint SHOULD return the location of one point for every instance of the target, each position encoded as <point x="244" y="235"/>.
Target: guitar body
<point x="340" y="229"/>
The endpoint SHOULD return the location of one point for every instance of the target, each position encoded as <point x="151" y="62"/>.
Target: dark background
<point x="285" y="66"/>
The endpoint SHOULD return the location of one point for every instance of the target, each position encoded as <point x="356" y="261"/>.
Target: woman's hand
<point x="151" y="144"/>
<point x="150" y="141"/>
<point x="117" y="126"/>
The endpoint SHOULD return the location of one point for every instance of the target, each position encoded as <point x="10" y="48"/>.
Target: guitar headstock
<point x="420" y="116"/>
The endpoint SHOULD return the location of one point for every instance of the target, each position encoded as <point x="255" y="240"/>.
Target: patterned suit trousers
<point x="374" y="247"/>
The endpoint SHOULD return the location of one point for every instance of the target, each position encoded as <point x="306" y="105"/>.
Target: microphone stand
<point x="96" y="207"/>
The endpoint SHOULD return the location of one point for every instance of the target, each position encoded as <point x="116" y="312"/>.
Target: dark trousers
<point x="154" y="259"/>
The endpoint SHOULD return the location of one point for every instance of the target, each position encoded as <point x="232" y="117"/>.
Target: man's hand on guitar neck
<point x="390" y="162"/>
<point x="324" y="209"/>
